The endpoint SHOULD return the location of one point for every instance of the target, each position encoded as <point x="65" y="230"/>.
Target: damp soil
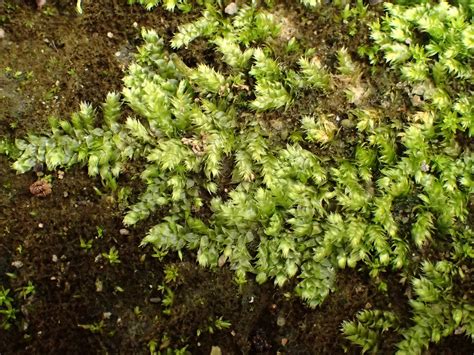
<point x="50" y="62"/>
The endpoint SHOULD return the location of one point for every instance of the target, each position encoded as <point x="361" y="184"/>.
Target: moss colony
<point x="246" y="162"/>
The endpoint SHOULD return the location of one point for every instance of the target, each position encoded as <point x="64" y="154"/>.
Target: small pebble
<point x="17" y="264"/>
<point x="135" y="25"/>
<point x="416" y="100"/>
<point x="40" y="225"/>
<point x="124" y="231"/>
<point x="222" y="260"/>
<point x="40" y="3"/>
<point x="2" y="33"/>
<point x="99" y="286"/>
<point x="106" y="315"/>
<point x="54" y="258"/>
<point x="424" y="167"/>
<point x="231" y="9"/>
<point x="66" y="194"/>
<point x="281" y="321"/>
<point x="155" y="300"/>
<point x="284" y="341"/>
<point x="110" y="35"/>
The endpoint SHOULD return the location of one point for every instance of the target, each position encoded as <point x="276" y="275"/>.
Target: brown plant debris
<point x="40" y="188"/>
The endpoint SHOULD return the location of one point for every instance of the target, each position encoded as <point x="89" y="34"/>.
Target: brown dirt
<point x="65" y="59"/>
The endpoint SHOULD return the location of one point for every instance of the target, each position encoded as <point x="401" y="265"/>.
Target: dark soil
<point x="52" y="60"/>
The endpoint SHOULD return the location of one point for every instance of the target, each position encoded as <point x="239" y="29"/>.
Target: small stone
<point x="66" y="194"/>
<point x="99" y="286"/>
<point x="110" y="35"/>
<point x="231" y="9"/>
<point x="222" y="260"/>
<point x="424" y="167"/>
<point x="2" y="33"/>
<point x="135" y="25"/>
<point x="281" y="321"/>
<point x="215" y="350"/>
<point x="416" y="100"/>
<point x="124" y="231"/>
<point x="60" y="174"/>
<point x="54" y="258"/>
<point x="284" y="341"/>
<point x="40" y="225"/>
<point x="106" y="315"/>
<point x="40" y="3"/>
<point x="17" y="264"/>
<point x="155" y="300"/>
<point x="118" y="54"/>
